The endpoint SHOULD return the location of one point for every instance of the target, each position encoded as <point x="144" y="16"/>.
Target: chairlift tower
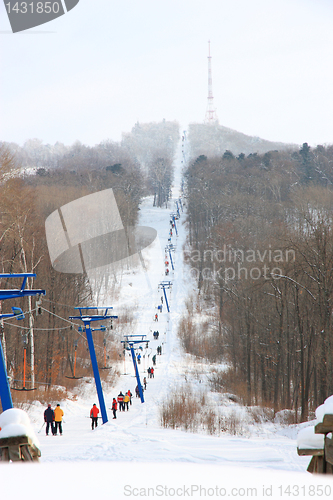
<point x="165" y="285"/>
<point x="86" y="316"/>
<point x="170" y="248"/>
<point x="129" y="343"/>
<point x="211" y="116"/>
<point x="5" y="394"/>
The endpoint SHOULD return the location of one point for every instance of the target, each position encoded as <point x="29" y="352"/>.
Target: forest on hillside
<point x="260" y="246"/>
<point x="37" y="179"/>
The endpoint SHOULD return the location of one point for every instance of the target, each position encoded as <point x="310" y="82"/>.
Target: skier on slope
<point x="114" y="408"/>
<point x="49" y="419"/>
<point x="130" y="396"/>
<point x="94" y="416"/>
<point x="120" y="401"/>
<point x="126" y="401"/>
<point x="58" y="414"/>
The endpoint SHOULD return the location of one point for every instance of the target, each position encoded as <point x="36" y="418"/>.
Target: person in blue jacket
<point x="49" y="419"/>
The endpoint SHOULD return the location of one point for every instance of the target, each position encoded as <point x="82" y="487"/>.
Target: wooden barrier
<point x="18" y="448"/>
<point x="322" y="458"/>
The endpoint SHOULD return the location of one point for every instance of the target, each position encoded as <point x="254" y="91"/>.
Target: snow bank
<point x="16" y="422"/>
<point x="120" y="480"/>
<point x="307" y="439"/>
<point x="324" y="409"/>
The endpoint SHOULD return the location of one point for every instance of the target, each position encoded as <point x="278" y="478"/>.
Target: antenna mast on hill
<point x="211" y="116"/>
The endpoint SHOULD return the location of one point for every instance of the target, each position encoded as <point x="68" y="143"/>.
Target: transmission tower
<point x="211" y="116"/>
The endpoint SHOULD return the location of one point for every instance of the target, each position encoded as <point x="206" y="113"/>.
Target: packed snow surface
<point x="307" y="439"/>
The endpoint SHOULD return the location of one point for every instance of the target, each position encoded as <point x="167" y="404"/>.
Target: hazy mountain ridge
<point x="214" y="140"/>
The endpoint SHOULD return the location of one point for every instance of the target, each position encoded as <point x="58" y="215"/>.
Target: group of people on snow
<point x="53" y="419"/>
<point x="123" y="401"/>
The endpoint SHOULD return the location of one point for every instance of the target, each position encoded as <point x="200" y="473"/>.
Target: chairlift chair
<point x="74" y="370"/>
<point x="105" y="367"/>
<point x="25" y="342"/>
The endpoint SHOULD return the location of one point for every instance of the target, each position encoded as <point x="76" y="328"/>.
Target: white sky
<point x="92" y="73"/>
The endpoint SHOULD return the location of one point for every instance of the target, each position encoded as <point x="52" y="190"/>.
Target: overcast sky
<point x="94" y="72"/>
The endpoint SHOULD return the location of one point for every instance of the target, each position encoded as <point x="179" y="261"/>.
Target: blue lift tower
<point x="129" y="344"/>
<point x="86" y="316"/>
<point x="165" y="285"/>
<point x="5" y="394"/>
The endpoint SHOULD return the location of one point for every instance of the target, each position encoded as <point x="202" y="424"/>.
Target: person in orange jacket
<point x="58" y="414"/>
<point x="114" y="408"/>
<point x="130" y="396"/>
<point x="94" y="416"/>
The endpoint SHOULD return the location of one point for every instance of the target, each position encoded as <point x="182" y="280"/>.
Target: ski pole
<point x="41" y="428"/>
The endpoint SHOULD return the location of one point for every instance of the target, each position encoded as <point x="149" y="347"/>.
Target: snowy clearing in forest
<point x="133" y="455"/>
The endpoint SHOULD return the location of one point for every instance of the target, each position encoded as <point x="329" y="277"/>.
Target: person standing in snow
<point x="149" y="372"/>
<point x="58" y="414"/>
<point x="114" y="408"/>
<point x="49" y="419"/>
<point x="154" y="359"/>
<point x="120" y="401"/>
<point x="145" y="382"/>
<point x="126" y="401"/>
<point x="130" y="396"/>
<point x="94" y="416"/>
<point x="152" y="372"/>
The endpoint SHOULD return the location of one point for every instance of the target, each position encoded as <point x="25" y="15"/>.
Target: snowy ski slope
<point x="133" y="456"/>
